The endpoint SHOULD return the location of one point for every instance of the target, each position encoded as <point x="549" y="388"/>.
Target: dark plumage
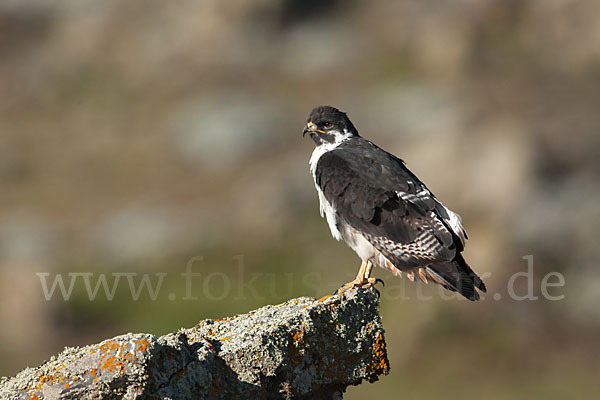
<point x="371" y="193"/>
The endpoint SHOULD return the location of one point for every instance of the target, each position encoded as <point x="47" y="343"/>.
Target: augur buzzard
<point x="383" y="211"/>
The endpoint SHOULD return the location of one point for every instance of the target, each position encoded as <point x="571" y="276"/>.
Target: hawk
<point x="383" y="211"/>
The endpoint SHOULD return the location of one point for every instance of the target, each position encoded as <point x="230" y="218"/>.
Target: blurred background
<point x="136" y="135"/>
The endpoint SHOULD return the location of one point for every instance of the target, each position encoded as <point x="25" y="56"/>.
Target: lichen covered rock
<point x="304" y="348"/>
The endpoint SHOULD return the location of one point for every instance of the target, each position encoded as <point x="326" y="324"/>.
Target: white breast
<point x="339" y="229"/>
<point x="318" y="152"/>
<point x="327" y="210"/>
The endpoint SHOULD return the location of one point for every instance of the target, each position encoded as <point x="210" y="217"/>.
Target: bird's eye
<point x="327" y="125"/>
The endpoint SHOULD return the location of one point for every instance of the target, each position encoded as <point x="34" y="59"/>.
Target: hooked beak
<point x="311" y="128"/>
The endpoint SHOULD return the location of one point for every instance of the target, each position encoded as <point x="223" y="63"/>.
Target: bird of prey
<point x="383" y="211"/>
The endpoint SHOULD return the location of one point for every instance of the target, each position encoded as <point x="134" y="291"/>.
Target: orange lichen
<point x="381" y="365"/>
<point x="50" y="379"/>
<point x="142" y="345"/>
<point x="112" y="364"/>
<point x="118" y="355"/>
<point x="211" y="348"/>
<point x="298" y="337"/>
<point x="110" y="345"/>
<point x="295" y="352"/>
<point x="288" y="388"/>
<point x="115" y="357"/>
<point x="322" y="299"/>
<point x="226" y="338"/>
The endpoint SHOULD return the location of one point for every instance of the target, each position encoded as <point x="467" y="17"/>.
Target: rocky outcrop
<point x="303" y="348"/>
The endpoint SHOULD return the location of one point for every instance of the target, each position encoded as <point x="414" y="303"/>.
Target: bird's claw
<point x="374" y="281"/>
<point x="378" y="294"/>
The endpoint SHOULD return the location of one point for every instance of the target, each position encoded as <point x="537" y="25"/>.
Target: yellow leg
<point x="368" y="269"/>
<point x="362" y="278"/>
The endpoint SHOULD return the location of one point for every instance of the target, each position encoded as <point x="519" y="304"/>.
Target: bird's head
<point x="327" y="124"/>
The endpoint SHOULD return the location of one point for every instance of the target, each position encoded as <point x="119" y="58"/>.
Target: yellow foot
<point x="356" y="283"/>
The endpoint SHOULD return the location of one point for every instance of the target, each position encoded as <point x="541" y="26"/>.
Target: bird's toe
<point x="374" y="281"/>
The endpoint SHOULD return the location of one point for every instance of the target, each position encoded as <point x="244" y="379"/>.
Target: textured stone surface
<point x="304" y="348"/>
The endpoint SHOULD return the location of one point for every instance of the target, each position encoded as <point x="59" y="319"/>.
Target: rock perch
<point x="301" y="349"/>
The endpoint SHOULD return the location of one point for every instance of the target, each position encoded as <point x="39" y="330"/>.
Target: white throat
<point x="325" y="147"/>
<point x="327" y="210"/>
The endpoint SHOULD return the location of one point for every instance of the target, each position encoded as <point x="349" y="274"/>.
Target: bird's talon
<point x="374" y="281"/>
<point x="378" y="294"/>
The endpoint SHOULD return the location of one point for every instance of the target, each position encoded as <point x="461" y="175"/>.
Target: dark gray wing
<point x="376" y="194"/>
